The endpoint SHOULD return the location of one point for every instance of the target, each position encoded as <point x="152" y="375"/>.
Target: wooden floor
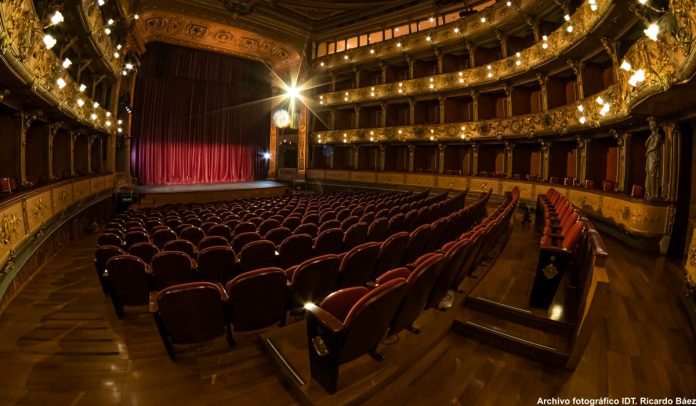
<point x="60" y="344"/>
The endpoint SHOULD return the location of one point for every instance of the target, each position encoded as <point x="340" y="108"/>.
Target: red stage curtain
<point x="198" y="118"/>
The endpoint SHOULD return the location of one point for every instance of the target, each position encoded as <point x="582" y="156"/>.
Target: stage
<point x="158" y="195"/>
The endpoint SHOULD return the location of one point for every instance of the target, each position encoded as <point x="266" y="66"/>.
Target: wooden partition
<point x="322" y="120"/>
<point x="342" y="157"/>
<point x="396" y="73"/>
<point x="425" y="158"/>
<point x="491" y="159"/>
<point x="525" y="160"/>
<point x="368" y="158"/>
<point x="320" y="156"/>
<point x="370" y="77"/>
<point x="396" y="158"/>
<point x="61" y="155"/>
<point x="602" y="161"/>
<point x="398" y="114"/>
<point x="562" y="157"/>
<point x="81" y="164"/>
<point x="9" y="139"/>
<point x="427" y="112"/>
<point x="423" y="68"/>
<point x="344" y="119"/>
<point x="459" y="109"/>
<point x="561" y="90"/>
<point x="345" y="81"/>
<point x="37" y="153"/>
<point x="370" y="116"/>
<point x="484" y="56"/>
<point x="456" y="61"/>
<point x="457" y="160"/>
<point x="636" y="159"/>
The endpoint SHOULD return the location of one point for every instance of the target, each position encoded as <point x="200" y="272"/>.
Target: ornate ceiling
<point x="279" y="27"/>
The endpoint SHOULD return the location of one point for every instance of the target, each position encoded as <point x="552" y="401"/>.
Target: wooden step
<point x="519" y="315"/>
<point x="541" y="345"/>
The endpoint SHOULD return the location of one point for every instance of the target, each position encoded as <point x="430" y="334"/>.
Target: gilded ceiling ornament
<point x="239" y="7"/>
<point x="8" y="228"/>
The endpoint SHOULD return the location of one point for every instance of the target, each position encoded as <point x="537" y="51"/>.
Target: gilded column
<point x="331" y="159"/>
<point x="611" y="47"/>
<point x="73" y="138"/>
<point x="90" y="143"/>
<point x="273" y="151"/>
<point x="127" y="156"/>
<point x="577" y="68"/>
<point x="356" y="121"/>
<point x="52" y="133"/>
<point x="440" y="61"/>
<point x="333" y="81"/>
<point x="356" y="73"/>
<point x="355" y="157"/>
<point x="383" y="66"/>
<point x="332" y="119"/>
<point x="507" y="88"/>
<point x="544" y="158"/>
<point x="383" y="116"/>
<point x="411" y="111"/>
<point x="508" y="159"/>
<point x="620" y="161"/>
<point x="441" y="158"/>
<point x="411" y="156"/>
<point x="25" y="119"/>
<point x="474" y="159"/>
<point x="475" y="100"/>
<point x="543" y="80"/>
<point x="581" y="160"/>
<point x="627" y="183"/>
<point x="302" y="143"/>
<point x="382" y="157"/>
<point x="441" y="110"/>
<point x="410" y="62"/>
<point x="503" y="39"/>
<point x="111" y="139"/>
<point x="670" y="160"/>
<point x="471" y="48"/>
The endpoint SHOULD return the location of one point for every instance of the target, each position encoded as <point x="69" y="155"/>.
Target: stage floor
<point x="206" y="187"/>
<point x="157" y="195"/>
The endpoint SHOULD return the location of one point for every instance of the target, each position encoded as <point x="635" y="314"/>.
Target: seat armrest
<point x="326" y="319"/>
<point x="371" y="285"/>
<point x="153" y="306"/>
<point x="223" y="293"/>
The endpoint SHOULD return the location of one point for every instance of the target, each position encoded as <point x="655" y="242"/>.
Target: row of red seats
<point x="352" y="322"/>
<point x="310" y="280"/>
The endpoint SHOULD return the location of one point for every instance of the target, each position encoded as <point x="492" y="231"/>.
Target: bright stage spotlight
<point x="281" y="118"/>
<point x="266" y="155"/>
<point x="292" y="92"/>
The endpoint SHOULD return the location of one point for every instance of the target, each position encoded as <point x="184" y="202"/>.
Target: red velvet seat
<point x="310" y="218"/>
<point x="329" y="242"/>
<point x="212" y="241"/>
<point x="455" y="253"/>
<point x="437" y="231"/>
<point x="244" y="227"/>
<point x="358" y="265"/>
<point x="278" y="235"/>
<point x="101" y="257"/>
<point x="240" y="240"/>
<point x="171" y="268"/>
<point x="608" y="186"/>
<point x="268" y="225"/>
<point x="396" y="224"/>
<point x="348" y="222"/>
<point x="256" y="221"/>
<point x="328" y="225"/>
<point x="257" y="299"/>
<point x="637" y="192"/>
<point x="326" y="216"/>
<point x="291" y="223"/>
<point x="133" y="237"/>
<point x="420" y="283"/>
<point x="348" y="324"/>
<point x="190" y="313"/>
<point x="308" y="228"/>
<point x="410" y="220"/>
<point x="367" y="218"/>
<point x="193" y="234"/>
<point x="161" y="237"/>
<point x="313" y="279"/>
<point x="110" y="239"/>
<point x="377" y="230"/>
<point x="392" y="252"/>
<point x="217" y="264"/>
<point x="418" y="240"/>
<point x="257" y="254"/>
<point x="295" y="249"/>
<point x="343" y="214"/>
<point x="184" y="246"/>
<point x="128" y="281"/>
<point x="144" y="251"/>
<point x="355" y="235"/>
<point x="220" y="230"/>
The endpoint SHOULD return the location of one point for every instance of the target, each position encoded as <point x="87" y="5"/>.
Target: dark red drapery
<point x="198" y="117"/>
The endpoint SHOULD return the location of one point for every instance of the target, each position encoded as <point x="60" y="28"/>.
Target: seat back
<point x="355" y="235"/>
<point x="163" y="236"/>
<point x="257" y="254"/>
<point x="392" y="252"/>
<point x="144" y="251"/>
<point x="396" y="224"/>
<point x="133" y="237"/>
<point x="192" y="312"/>
<point x="637" y="191"/>
<point x="377" y="230"/>
<point x="278" y="235"/>
<point x="217" y="264"/>
<point x="329" y="225"/>
<point x="436" y="234"/>
<point x="417" y="242"/>
<point x="307" y="228"/>
<point x="221" y="230"/>
<point x="295" y="249"/>
<point x="420" y="284"/>
<point x="268" y="225"/>
<point x="171" y="268"/>
<point x="128" y="280"/>
<point x="349" y="222"/>
<point x="193" y="234"/>
<point x="369" y="319"/>
<point x="244" y="227"/>
<point x="315" y="278"/>
<point x="257" y="298"/>
<point x="329" y="242"/>
<point x="454" y="252"/>
<point x="240" y="240"/>
<point x="212" y="241"/>
<point x="410" y="220"/>
<point x="110" y="239"/>
<point x="185" y="246"/>
<point x="103" y="254"/>
<point x="358" y="265"/>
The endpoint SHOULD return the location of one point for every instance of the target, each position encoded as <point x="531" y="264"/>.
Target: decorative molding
<point x="180" y="29"/>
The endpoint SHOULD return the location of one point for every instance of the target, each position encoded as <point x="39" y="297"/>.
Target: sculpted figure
<point x="652" y="161"/>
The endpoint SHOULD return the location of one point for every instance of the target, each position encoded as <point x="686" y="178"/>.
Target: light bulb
<point x="83" y="87"/>
<point x="49" y="41"/>
<point x="66" y="63"/>
<point x="80" y="102"/>
<point x="100" y="2"/>
<point x="61" y="83"/>
<point x="626" y="66"/>
<point x="107" y="30"/>
<point x="652" y="31"/>
<point x="57" y="18"/>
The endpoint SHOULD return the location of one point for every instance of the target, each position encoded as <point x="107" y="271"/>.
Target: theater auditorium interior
<point x="347" y="202"/>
